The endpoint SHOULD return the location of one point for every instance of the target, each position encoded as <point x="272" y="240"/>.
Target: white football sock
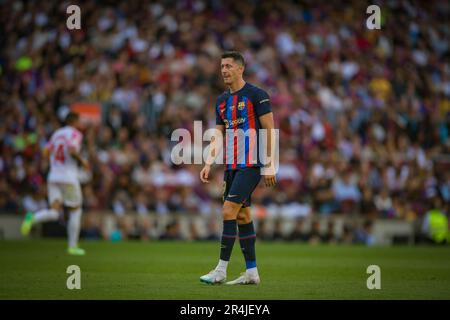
<point x="252" y="272"/>
<point x="45" y="215"/>
<point x="73" y="227"/>
<point x="222" y="265"/>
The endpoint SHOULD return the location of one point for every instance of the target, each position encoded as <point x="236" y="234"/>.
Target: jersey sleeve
<point x="50" y="144"/>
<point x="75" y="140"/>
<point x="219" y="120"/>
<point x="262" y="103"/>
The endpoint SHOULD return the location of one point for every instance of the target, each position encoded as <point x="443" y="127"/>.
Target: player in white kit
<point x="62" y="182"/>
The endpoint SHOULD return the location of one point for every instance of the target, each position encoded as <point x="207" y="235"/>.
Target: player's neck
<point x="238" y="85"/>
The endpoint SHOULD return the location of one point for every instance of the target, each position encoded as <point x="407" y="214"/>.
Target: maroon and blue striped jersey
<point x="239" y="112"/>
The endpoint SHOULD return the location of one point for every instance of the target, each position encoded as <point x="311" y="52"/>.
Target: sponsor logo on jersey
<point x="230" y="124"/>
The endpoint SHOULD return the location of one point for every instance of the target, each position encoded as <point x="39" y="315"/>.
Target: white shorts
<point x="69" y="194"/>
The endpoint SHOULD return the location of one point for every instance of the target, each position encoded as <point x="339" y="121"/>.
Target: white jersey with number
<point x="63" y="167"/>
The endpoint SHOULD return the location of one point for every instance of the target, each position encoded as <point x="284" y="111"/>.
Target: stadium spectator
<point x="298" y="233"/>
<point x="262" y="232"/>
<point x="368" y="207"/>
<point x="346" y="192"/>
<point x="278" y="233"/>
<point x="384" y="205"/>
<point x="347" y="235"/>
<point x="172" y="231"/>
<point x="194" y="233"/>
<point x="212" y="230"/>
<point x="435" y="225"/>
<point x="91" y="228"/>
<point x="330" y="236"/>
<point x="315" y="236"/>
<point x="364" y="235"/>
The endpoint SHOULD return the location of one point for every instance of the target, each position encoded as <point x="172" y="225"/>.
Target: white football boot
<point x="214" y="277"/>
<point x="245" y="278"/>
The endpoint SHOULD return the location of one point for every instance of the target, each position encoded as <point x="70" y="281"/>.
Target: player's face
<point x="231" y="71"/>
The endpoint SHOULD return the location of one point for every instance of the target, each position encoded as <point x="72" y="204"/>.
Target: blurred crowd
<point x="364" y="115"/>
<point x="312" y="231"/>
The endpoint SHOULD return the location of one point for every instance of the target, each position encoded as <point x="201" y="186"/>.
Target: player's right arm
<point x="46" y="156"/>
<point x="216" y="142"/>
<point x="46" y="153"/>
<point x="214" y="149"/>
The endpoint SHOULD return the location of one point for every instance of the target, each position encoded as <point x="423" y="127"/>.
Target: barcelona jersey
<point x="239" y="112"/>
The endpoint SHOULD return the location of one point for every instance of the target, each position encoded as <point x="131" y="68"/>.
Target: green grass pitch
<point x="36" y="269"/>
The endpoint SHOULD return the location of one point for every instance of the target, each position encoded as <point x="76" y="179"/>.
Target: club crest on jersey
<point x="241" y="105"/>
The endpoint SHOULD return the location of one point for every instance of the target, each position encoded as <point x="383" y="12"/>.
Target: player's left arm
<point x="74" y="153"/>
<point x="264" y="112"/>
<point x="267" y="123"/>
<point x="74" y="150"/>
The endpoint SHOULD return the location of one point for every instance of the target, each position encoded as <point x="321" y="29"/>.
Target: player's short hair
<point x="71" y="118"/>
<point x="236" y="56"/>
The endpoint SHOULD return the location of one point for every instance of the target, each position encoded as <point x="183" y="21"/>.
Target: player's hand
<point x="270" y="180"/>
<point x="204" y="174"/>
<point x="85" y="164"/>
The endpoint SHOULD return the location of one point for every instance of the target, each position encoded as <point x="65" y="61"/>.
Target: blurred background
<point x="364" y="115"/>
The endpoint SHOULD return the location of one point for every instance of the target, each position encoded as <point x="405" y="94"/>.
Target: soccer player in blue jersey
<point x="244" y="108"/>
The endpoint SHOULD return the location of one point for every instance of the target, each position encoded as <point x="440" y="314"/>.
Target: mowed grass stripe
<point x="36" y="269"/>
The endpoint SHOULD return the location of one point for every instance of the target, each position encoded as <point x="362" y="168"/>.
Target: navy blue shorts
<point x="239" y="184"/>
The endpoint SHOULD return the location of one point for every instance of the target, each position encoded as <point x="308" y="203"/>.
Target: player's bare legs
<point x="244" y="216"/>
<point x="44" y="215"/>
<point x="247" y="239"/>
<point x="230" y="212"/>
<point x="52" y="214"/>
<point x="73" y="231"/>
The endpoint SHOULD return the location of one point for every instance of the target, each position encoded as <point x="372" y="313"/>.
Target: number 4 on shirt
<point x="59" y="155"/>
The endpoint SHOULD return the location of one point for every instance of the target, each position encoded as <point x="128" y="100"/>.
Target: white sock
<point x="45" y="215"/>
<point x="252" y="272"/>
<point x="73" y="227"/>
<point x="222" y="265"/>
